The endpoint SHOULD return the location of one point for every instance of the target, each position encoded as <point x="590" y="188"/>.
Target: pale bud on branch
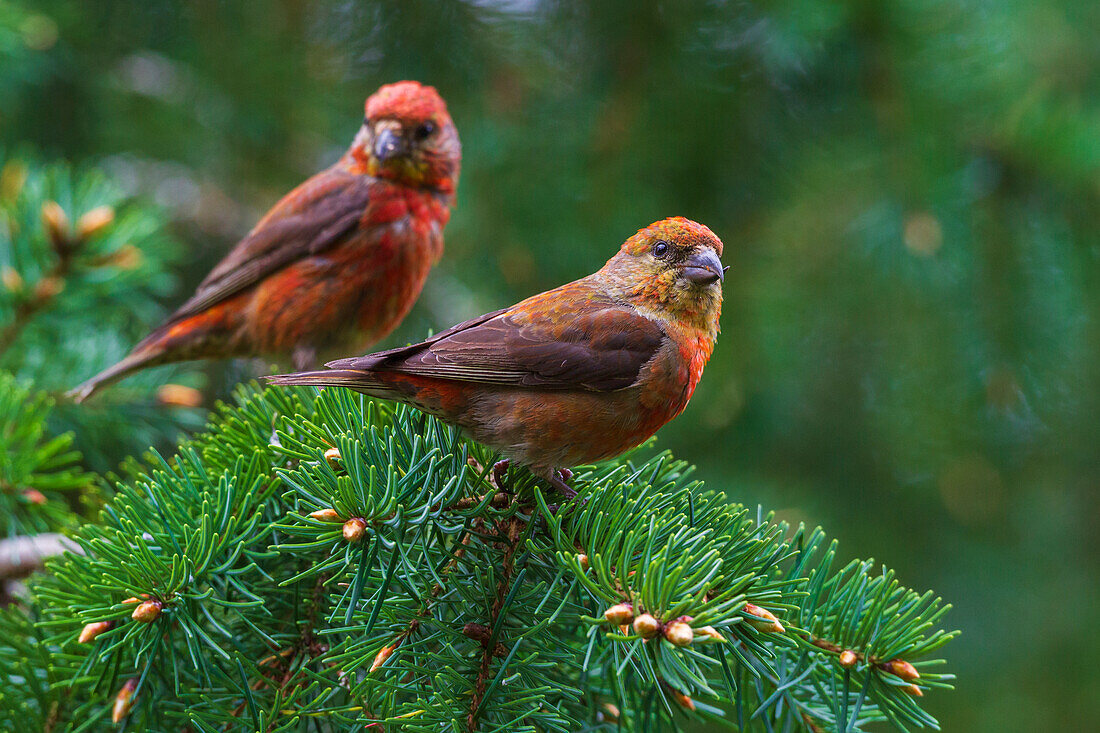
<point x="147" y="611"/>
<point x="354" y="529"/>
<point x="92" y="630"/>
<point x="124" y="700"/>
<point x="619" y="614"/>
<point x="766" y="620"/>
<point x="94" y="221"/>
<point x="647" y="626"/>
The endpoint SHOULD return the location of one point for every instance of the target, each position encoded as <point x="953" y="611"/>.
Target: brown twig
<point x="54" y="716"/>
<point x="509" y="531"/>
<point x="811" y="723"/>
<point x="21" y="556"/>
<point x="483" y="634"/>
<point x="499" y="500"/>
<point x="897" y="667"/>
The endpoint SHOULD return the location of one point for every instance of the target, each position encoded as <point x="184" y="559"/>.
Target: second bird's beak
<point x="389" y="143"/>
<point x="704" y="268"/>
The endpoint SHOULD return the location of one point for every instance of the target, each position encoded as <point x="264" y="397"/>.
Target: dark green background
<point x="908" y="191"/>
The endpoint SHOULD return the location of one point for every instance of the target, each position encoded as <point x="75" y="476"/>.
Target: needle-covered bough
<point x="321" y="561"/>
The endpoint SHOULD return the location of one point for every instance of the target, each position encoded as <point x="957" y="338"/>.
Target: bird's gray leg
<point x="304" y="357"/>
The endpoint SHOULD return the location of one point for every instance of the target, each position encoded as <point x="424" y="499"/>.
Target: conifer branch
<point x="647" y="599"/>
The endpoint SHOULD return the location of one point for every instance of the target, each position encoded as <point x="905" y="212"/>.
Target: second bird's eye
<point x="660" y="249"/>
<point x="424" y="131"/>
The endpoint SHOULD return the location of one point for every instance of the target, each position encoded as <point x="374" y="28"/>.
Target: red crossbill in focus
<point x="338" y="262"/>
<point x="577" y="374"/>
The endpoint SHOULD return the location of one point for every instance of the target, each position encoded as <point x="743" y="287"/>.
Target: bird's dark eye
<point x="422" y="132"/>
<point x="660" y="249"/>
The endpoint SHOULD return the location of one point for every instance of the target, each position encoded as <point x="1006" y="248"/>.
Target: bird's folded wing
<point x="310" y="219"/>
<point x="601" y="347"/>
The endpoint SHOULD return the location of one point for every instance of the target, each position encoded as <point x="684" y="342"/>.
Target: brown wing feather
<point x="601" y="347"/>
<point x="308" y="220"/>
<point x="369" y="361"/>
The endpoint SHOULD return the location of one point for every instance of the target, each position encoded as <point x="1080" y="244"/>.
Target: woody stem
<point x="510" y="532"/>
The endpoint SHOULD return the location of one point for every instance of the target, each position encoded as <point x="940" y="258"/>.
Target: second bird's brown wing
<point x="310" y="219"/>
<point x="599" y="346"/>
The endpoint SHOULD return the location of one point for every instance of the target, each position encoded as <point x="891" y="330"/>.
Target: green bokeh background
<point x="908" y="191"/>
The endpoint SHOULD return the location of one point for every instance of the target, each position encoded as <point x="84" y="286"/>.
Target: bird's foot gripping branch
<point x="321" y="557"/>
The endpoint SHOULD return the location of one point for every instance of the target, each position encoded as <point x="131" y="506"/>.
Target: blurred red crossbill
<point x="577" y="374"/>
<point x="338" y="262"/>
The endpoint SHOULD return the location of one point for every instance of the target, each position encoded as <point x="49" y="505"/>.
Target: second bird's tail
<point x="132" y="363"/>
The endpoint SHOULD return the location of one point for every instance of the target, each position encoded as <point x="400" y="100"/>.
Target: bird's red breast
<point x="347" y="296"/>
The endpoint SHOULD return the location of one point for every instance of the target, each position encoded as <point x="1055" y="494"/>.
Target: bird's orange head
<point x="408" y="137"/>
<point x="673" y="270"/>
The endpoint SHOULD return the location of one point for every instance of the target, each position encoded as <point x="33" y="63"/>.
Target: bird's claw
<point x="559" y="481"/>
<point x="500" y="474"/>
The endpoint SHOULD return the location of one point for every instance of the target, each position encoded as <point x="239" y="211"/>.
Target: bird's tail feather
<point x="353" y="378"/>
<point x="135" y="361"/>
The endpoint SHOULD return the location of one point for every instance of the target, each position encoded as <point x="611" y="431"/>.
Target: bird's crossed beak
<point x="704" y="268"/>
<point x="389" y="143"/>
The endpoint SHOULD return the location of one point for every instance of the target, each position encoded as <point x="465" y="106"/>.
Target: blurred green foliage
<point x="82" y="270"/>
<point x="908" y="190"/>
